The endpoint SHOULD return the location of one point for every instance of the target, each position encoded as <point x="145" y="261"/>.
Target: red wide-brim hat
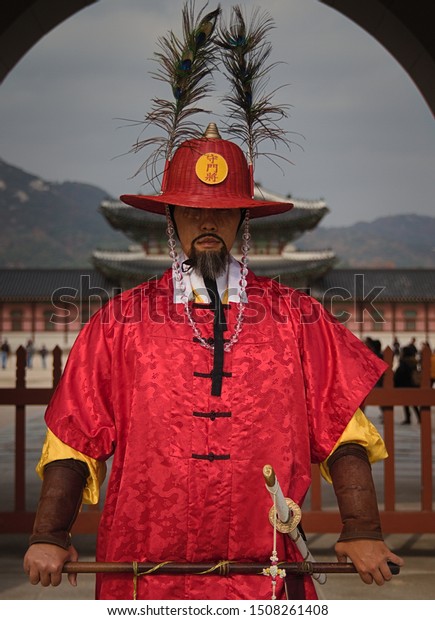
<point x="207" y="173"/>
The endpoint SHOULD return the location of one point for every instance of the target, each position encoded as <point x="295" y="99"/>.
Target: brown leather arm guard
<point x="60" y="501"/>
<point x="351" y="475"/>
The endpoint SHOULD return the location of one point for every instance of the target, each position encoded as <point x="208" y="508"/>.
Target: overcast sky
<point x="368" y="145"/>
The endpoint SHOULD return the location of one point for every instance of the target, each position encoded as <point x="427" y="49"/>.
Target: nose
<point x="208" y="221"/>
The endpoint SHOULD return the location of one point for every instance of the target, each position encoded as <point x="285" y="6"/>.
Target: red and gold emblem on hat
<point x="211" y="168"/>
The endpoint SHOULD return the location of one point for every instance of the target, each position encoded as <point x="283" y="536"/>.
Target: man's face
<point x="206" y="230"/>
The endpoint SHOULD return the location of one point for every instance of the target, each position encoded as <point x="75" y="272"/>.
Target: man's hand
<point x="370" y="558"/>
<point x="44" y="562"/>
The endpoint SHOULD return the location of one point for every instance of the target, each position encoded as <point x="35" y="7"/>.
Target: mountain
<point x="45" y="224"/>
<point x="387" y="242"/>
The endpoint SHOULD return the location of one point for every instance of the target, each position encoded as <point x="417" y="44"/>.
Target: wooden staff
<point x="212" y="568"/>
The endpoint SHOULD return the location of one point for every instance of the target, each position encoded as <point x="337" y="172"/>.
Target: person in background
<point x="30" y="352"/>
<point x="405" y="376"/>
<point x="413" y="347"/>
<point x="375" y="345"/>
<point x="5" y="352"/>
<point x="43" y="353"/>
<point x="396" y="348"/>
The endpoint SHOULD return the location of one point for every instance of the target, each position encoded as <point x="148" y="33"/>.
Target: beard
<point x="209" y="263"/>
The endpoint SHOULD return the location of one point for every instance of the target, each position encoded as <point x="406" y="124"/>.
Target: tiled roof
<point x="139" y="225"/>
<point x="388" y="284"/>
<point x="301" y="204"/>
<point x="47" y="284"/>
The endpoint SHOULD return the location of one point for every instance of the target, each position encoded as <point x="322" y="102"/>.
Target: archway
<point x="24" y="22"/>
<point x="405" y="30"/>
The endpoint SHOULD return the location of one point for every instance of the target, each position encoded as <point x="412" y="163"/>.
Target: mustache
<point x="206" y="235"/>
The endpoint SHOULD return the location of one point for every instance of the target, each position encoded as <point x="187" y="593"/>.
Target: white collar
<point x="228" y="284"/>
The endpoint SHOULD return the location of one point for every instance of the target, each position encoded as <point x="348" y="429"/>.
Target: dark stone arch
<point x="24" y="22"/>
<point x="404" y="28"/>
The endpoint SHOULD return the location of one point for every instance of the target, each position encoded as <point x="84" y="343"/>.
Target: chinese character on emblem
<point x="211" y="168"/>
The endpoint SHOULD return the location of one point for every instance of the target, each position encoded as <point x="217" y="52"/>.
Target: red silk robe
<point x="186" y="482"/>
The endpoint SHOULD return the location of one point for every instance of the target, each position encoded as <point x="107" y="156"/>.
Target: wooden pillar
<point x="393" y="319"/>
<point x="33" y="327"/>
<point x="426" y="321"/>
<point x="65" y="326"/>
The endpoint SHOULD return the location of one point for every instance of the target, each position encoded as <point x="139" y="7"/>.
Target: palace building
<point x="49" y="306"/>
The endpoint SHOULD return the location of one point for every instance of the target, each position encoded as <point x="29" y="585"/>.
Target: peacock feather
<point x="186" y="64"/>
<point x="245" y="52"/>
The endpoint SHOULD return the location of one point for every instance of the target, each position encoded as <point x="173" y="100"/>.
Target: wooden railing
<point x="20" y="396"/>
<point x="395" y="518"/>
<point x="20" y="519"/>
<point x="316" y="516"/>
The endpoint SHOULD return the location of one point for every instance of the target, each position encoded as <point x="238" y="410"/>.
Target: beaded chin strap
<point x="179" y="278"/>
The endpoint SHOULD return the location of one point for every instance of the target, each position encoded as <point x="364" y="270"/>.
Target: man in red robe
<point x="192" y="383"/>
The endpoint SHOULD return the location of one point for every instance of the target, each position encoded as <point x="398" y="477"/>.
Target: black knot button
<point x="211" y="456"/>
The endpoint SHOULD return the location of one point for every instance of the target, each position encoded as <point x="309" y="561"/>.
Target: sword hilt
<point x="269" y="475"/>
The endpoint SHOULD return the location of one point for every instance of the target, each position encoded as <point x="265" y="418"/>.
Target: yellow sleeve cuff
<point x="359" y="430"/>
<point x="54" y="449"/>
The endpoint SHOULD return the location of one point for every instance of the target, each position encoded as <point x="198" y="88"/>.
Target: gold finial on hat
<point x="212" y="132"/>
